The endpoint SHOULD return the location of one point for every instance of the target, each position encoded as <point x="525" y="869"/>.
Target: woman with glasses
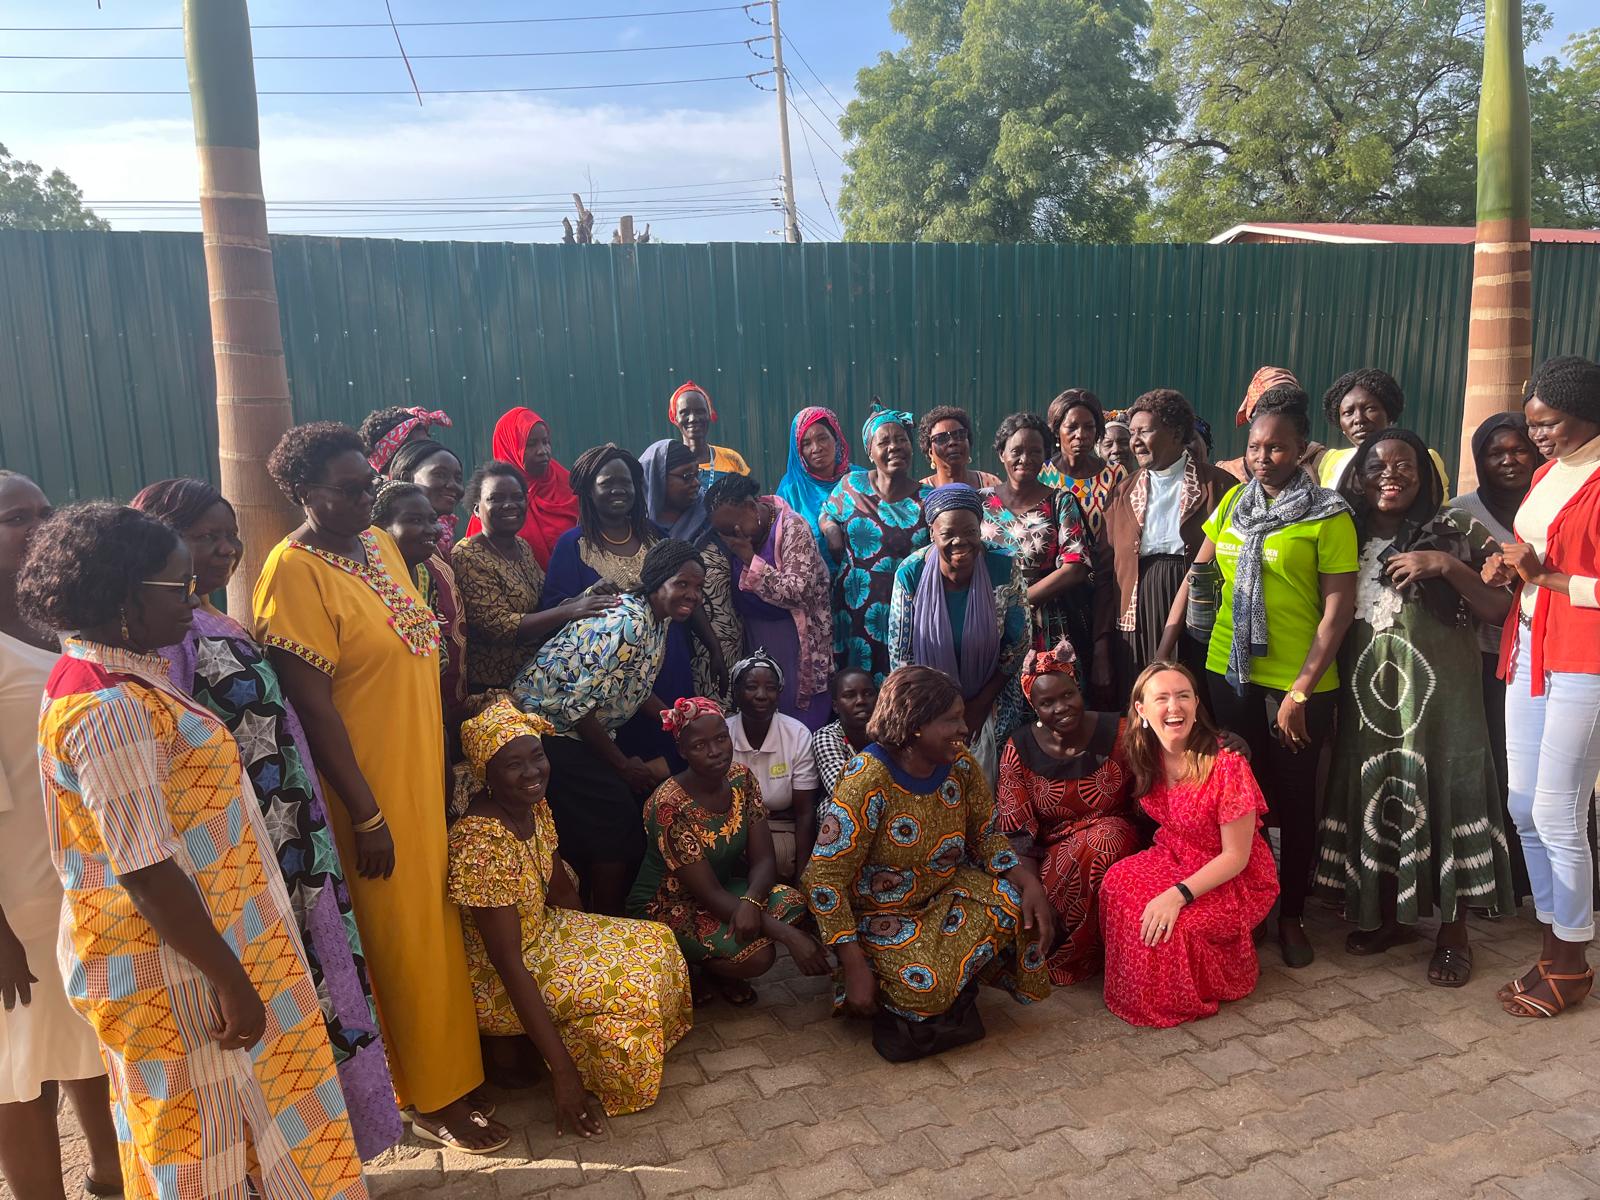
<point x="177" y="937"/>
<point x="945" y="433"/>
<point x="227" y="671"/>
<point x="357" y="651"/>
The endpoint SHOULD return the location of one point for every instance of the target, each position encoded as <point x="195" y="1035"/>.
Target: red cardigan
<point x="1564" y="638"/>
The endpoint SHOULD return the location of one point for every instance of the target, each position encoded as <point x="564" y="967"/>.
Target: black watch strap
<point x="1183" y="890"/>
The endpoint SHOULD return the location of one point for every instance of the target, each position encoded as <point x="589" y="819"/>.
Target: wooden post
<point x="253" y="407"/>
<point x="1500" y="336"/>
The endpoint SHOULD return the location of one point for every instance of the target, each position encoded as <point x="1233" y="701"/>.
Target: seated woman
<point x="589" y="681"/>
<point x="1065" y="798"/>
<point x="501" y="582"/>
<point x="1179" y="918"/>
<point x="776" y="750"/>
<point x="911" y="885"/>
<point x="963" y="609"/>
<point x="404" y="512"/>
<point x="703" y="827"/>
<point x="1413" y="819"/>
<point x="854" y="696"/>
<point x="602" y="998"/>
<point x="1359" y="404"/>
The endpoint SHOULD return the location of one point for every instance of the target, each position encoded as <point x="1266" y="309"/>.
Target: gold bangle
<point x="753" y="900"/>
<point x="371" y="825"/>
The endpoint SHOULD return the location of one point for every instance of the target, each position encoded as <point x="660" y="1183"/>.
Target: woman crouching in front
<point x="914" y="888"/>
<point x="1179" y="917"/>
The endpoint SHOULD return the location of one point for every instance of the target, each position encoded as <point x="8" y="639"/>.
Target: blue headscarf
<point x="800" y="489"/>
<point x="881" y="416"/>
<point x="950" y="497"/>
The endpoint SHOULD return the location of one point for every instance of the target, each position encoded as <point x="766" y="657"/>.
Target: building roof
<point x="1437" y="235"/>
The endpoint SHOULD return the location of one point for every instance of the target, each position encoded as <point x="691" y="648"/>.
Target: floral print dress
<point x="1047" y="537"/>
<point x="617" y="990"/>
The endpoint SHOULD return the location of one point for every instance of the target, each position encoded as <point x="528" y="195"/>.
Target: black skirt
<point x="1160" y="577"/>
<point x="596" y="813"/>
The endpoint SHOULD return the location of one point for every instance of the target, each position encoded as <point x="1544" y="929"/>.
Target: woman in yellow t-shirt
<point x="1359" y="404"/>
<point x="1286" y="553"/>
<point x="691" y="410"/>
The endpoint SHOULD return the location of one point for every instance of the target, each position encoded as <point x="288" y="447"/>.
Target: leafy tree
<point x="1318" y="110"/>
<point x="1003" y="120"/>
<point x="30" y="199"/>
<point x="1566" y="135"/>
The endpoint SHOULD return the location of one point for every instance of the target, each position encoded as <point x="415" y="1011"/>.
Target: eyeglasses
<point x="189" y="586"/>
<point x="351" y="491"/>
<point x="948" y="436"/>
<point x="685" y="475"/>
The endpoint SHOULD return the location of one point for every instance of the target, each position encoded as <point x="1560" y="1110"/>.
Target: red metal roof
<point x="1408" y="234"/>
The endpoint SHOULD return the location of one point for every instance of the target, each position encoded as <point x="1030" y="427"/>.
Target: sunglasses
<point x="949" y="436"/>
<point x="189" y="586"/>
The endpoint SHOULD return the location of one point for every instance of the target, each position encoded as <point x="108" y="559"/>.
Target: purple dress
<point x="224" y="669"/>
<point x="774" y="628"/>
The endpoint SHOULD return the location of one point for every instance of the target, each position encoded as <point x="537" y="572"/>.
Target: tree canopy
<point x="1003" y="120"/>
<point x="1565" y="99"/>
<point x="30" y="199"/>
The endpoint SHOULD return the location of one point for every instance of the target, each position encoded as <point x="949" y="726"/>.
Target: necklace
<point x="622" y="541"/>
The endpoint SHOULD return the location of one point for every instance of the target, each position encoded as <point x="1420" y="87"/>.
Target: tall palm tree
<point x="1500" y="338"/>
<point x="253" y="407"/>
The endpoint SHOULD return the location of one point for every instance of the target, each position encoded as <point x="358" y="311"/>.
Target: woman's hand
<point x="1229" y="740"/>
<point x="1418" y="565"/>
<point x="240" y="1018"/>
<point x="1036" y="911"/>
<point x="1292" y="725"/>
<point x="977" y="716"/>
<point x="1524" y="560"/>
<point x="860" y="986"/>
<point x="745" y="924"/>
<point x="807" y="953"/>
<point x="740" y="545"/>
<point x="591" y="605"/>
<point x="1160" y="915"/>
<point x="1497" y="572"/>
<point x="640" y="779"/>
<point x="575" y="1109"/>
<point x="375" y="853"/>
<point x="16" y="981"/>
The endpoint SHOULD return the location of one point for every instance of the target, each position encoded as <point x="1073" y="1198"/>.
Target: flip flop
<point x="449" y="1140"/>
<point x="95" y="1188"/>
<point x="739" y="999"/>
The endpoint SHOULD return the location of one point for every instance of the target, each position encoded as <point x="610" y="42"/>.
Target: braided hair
<point x="731" y="489"/>
<point x="586" y="469"/>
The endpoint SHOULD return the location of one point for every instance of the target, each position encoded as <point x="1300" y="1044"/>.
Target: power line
<point x="665" y="187"/>
<point x="665" y="12"/>
<point x="788" y="74"/>
<point x="813" y="71"/>
<point x="379" y="57"/>
<point x="820" y="189"/>
<point x="802" y="118"/>
<point x="571" y="87"/>
<point x="706" y="216"/>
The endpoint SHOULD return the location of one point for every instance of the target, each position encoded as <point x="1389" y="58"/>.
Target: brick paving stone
<point x="1228" y="1060"/>
<point x="1042" y="1115"/>
<point x="899" y="1156"/>
<point x="1556" y="1082"/>
<point x="1285" y="1044"/>
<point x="1329" y="998"/>
<point x="903" y="1116"/>
<point x="1100" y="1143"/>
<point x="1316" y="1118"/>
<point x="1502" y="1101"/>
<point x="751" y="1158"/>
<point x="1048" y="1157"/>
<point x="1578" y="1123"/>
<point x="1293" y="1084"/>
<point x="1553" y="1183"/>
<point x="976" y="1133"/>
<point x="612" y="1187"/>
<point x="1320" y="1167"/>
<point x="1444" y="1121"/>
<point x="1247" y="1142"/>
<point x="696" y="1174"/>
<point x="1340" y="1028"/>
<point x="1176" y="1117"/>
<point x="790" y="1108"/>
<point x="1186" y="1159"/>
<point x="1264" y="1180"/>
<point x="824" y="1177"/>
<point x="716" y="1063"/>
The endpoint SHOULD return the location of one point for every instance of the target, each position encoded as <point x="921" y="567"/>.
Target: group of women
<point x="453" y="806"/>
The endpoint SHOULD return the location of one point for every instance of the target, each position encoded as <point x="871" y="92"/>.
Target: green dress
<point x="1414" y="793"/>
<point x="678" y="831"/>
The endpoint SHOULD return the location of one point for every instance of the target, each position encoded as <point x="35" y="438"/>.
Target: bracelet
<point x="371" y="825"/>
<point x="757" y="903"/>
<point x="1183" y="890"/>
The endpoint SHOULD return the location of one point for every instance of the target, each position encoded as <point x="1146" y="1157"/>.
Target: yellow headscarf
<point x="483" y="736"/>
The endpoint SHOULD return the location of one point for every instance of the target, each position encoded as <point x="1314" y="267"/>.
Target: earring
<point x="126" y="635"/>
<point x="1145" y="721"/>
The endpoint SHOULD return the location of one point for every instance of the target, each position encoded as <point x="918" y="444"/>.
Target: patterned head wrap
<point x="1203" y="428"/>
<point x="677" y="718"/>
<point x="1262" y="382"/>
<point x="1063" y="660"/>
<point x="749" y="663"/>
<point x="881" y="416"/>
<point x="487" y="733"/>
<point x="1117" y="416"/>
<point x="951" y="497"/>
<point x="685" y="389"/>
<point x="396" y="437"/>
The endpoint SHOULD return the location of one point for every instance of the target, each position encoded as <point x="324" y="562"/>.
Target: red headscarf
<point x="1262" y="382"/>
<point x="552" y="504"/>
<point x="685" y="389"/>
<point x="677" y="717"/>
<point x="1063" y="660"/>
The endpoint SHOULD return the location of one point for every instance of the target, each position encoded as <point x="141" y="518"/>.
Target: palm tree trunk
<point x="1500" y="338"/>
<point x="253" y="408"/>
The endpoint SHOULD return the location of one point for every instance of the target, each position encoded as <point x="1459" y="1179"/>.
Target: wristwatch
<point x="1297" y="696"/>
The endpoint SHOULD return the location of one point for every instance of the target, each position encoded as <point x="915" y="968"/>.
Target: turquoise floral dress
<point x="878" y="536"/>
<point x="605" y="665"/>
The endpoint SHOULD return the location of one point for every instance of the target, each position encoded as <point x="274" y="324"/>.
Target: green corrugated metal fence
<point x="107" y="384"/>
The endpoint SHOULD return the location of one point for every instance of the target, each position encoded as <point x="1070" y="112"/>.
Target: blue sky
<point x="699" y="161"/>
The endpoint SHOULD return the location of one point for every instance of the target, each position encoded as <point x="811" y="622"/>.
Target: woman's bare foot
<point x="462" y="1126"/>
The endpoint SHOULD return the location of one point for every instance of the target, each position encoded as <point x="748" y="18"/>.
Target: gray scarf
<point x="1254" y="516"/>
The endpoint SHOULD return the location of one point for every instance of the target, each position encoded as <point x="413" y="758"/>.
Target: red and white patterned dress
<point x="1211" y="955"/>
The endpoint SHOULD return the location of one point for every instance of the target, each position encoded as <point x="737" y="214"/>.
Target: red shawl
<point x="552" y="504"/>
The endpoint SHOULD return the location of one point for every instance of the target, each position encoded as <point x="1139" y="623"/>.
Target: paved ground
<point x="1350" y="1078"/>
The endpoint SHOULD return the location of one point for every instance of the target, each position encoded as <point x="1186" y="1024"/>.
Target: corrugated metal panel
<point x="106" y="381"/>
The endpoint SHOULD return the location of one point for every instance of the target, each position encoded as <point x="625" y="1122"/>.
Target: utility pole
<point x="246" y="341"/>
<point x="791" y="223"/>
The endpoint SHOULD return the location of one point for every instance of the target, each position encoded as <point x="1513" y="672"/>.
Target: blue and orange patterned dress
<point x="913" y="870"/>
<point x="136" y="774"/>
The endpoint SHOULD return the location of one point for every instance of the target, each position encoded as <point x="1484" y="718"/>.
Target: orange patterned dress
<point x="618" y="990"/>
<point x="136" y="774"/>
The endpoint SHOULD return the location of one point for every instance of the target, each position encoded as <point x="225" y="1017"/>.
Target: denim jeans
<point x="1552" y="758"/>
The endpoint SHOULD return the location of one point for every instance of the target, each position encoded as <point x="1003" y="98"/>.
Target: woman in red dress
<point x="1178" y="918"/>
<point x="1065" y="798"/>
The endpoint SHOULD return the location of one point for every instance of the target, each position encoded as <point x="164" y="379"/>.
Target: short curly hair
<point x="941" y="412"/>
<point x="909" y="699"/>
<point x="1170" y="409"/>
<point x="1015" y="423"/>
<point x="85" y="564"/>
<point x="731" y="489"/>
<point x="1077" y="398"/>
<point x="1569" y="384"/>
<point x="1380" y="383"/>
<point x="493" y="469"/>
<point x="302" y="454"/>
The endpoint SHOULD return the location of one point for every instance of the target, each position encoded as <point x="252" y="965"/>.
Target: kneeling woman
<point x="602" y="998"/>
<point x="702" y="827"/>
<point x="1178" y="918"/>
<point x="911" y="885"/>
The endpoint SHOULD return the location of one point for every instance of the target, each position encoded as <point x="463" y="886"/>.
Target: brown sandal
<point x="1524" y="1004"/>
<point x="1515" y="988"/>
